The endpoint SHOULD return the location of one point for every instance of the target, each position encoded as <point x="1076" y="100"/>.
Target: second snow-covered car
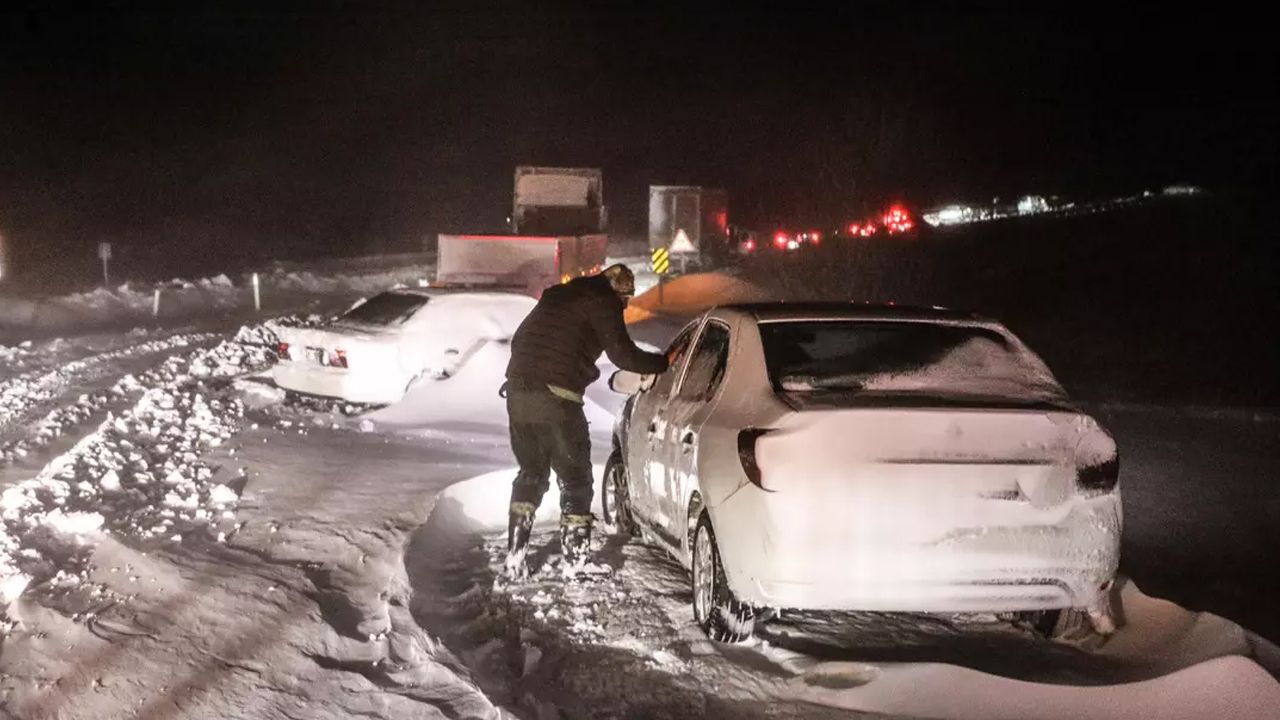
<point x="380" y="348"/>
<point x="847" y="457"/>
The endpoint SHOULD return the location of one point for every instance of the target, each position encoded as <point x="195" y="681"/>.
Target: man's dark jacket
<point x="559" y="342"/>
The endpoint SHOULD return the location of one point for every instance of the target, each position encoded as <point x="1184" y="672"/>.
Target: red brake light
<point x="282" y="351"/>
<point x="780" y="240"/>
<point x="749" y="246"/>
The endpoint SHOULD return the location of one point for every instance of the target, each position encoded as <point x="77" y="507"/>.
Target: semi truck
<point x="557" y="233"/>
<point x="690" y="221"/>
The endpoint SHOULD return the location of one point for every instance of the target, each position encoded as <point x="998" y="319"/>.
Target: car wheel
<point x="721" y="616"/>
<point x="615" y="496"/>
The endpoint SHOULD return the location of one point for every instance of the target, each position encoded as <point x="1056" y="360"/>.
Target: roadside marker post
<point x="661" y="264"/>
<point x="257" y="294"/>
<point x="104" y="254"/>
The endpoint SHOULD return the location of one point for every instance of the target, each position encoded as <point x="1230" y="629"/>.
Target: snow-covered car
<point x="381" y="347"/>
<point x="853" y="457"/>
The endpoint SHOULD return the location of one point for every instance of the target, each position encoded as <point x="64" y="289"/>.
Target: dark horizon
<point x="319" y="128"/>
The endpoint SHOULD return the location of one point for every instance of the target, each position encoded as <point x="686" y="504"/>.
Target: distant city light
<point x="1027" y="205"/>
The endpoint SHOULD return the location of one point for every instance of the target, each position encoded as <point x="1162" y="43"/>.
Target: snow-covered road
<point x="191" y="544"/>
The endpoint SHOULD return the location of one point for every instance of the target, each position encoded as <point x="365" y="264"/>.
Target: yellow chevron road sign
<point x="661" y="261"/>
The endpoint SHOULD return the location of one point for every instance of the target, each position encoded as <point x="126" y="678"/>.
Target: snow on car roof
<point x="770" y="311"/>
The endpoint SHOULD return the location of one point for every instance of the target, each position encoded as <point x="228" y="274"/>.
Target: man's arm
<point x="618" y="345"/>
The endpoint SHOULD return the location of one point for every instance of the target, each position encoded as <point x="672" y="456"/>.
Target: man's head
<point x="621" y="280"/>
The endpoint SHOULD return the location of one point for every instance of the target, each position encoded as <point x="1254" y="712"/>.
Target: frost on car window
<point x="385" y="309"/>
<point x="903" y="357"/>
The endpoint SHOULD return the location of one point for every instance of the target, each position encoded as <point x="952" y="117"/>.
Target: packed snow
<point x="183" y="539"/>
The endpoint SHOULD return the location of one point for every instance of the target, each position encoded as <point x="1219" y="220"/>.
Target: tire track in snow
<point x="28" y="393"/>
<point x="142" y="474"/>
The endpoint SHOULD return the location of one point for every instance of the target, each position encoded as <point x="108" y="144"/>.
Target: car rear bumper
<point x="337" y="383"/>
<point x="1066" y="562"/>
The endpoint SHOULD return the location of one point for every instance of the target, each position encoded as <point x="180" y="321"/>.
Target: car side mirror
<point x="626" y="382"/>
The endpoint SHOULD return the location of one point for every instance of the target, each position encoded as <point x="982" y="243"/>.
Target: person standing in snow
<point x="553" y="360"/>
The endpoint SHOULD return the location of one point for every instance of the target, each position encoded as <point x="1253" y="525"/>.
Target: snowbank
<point x="186" y="299"/>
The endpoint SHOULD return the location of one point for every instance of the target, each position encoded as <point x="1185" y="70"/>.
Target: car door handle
<point x="653" y="429"/>
<point x="686" y="441"/>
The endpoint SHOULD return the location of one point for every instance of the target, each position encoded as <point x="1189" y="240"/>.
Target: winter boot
<point x="575" y="541"/>
<point x="519" y="527"/>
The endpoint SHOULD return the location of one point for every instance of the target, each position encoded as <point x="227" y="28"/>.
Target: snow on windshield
<point x="903" y="357"/>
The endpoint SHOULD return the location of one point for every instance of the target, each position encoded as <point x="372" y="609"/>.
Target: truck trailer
<point x="690" y="220"/>
<point x="557" y="222"/>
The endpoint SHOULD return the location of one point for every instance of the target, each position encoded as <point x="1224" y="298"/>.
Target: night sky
<point x="321" y="127"/>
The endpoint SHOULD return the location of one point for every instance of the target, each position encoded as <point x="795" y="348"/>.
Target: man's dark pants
<point x="549" y="433"/>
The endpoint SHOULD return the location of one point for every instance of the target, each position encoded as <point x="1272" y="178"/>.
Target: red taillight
<point x="749" y="246"/>
<point x="282" y="351"/>
<point x="338" y="358"/>
<point x="815" y="236"/>
<point x="854" y="229"/>
<point x="780" y="240"/>
<point x="747" y="455"/>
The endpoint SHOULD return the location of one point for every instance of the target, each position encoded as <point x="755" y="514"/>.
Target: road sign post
<point x="661" y="265"/>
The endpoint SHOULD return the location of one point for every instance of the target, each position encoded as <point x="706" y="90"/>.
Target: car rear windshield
<point x="385" y="309"/>
<point x="903" y="357"/>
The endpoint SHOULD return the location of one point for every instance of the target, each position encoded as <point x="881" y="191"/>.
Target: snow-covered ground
<point x="182" y="540"/>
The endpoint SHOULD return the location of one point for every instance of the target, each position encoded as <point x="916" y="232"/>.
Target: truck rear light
<point x="282" y="351"/>
<point x="338" y="358"/>
<point x="1099" y="479"/>
<point x="747" y="455"/>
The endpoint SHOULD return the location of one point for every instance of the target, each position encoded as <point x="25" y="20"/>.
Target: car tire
<point x="720" y="615"/>
<point x="615" y="496"/>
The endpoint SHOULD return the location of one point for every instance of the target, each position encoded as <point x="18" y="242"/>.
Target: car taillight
<point x="282" y="351"/>
<point x="1098" y="479"/>
<point x="338" y="358"/>
<point x="747" y="455"/>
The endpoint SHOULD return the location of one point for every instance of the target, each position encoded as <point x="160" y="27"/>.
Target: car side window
<point x="676" y="352"/>
<point x="707" y="364"/>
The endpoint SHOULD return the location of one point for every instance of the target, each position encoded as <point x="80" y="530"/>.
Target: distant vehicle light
<point x="282" y="351"/>
<point x="749" y="246"/>
<point x="338" y="358"/>
<point x="792" y="244"/>
<point x="780" y="240"/>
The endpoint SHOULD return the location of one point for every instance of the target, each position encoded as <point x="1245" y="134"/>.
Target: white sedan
<point x="383" y="346"/>
<point x="847" y="457"/>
